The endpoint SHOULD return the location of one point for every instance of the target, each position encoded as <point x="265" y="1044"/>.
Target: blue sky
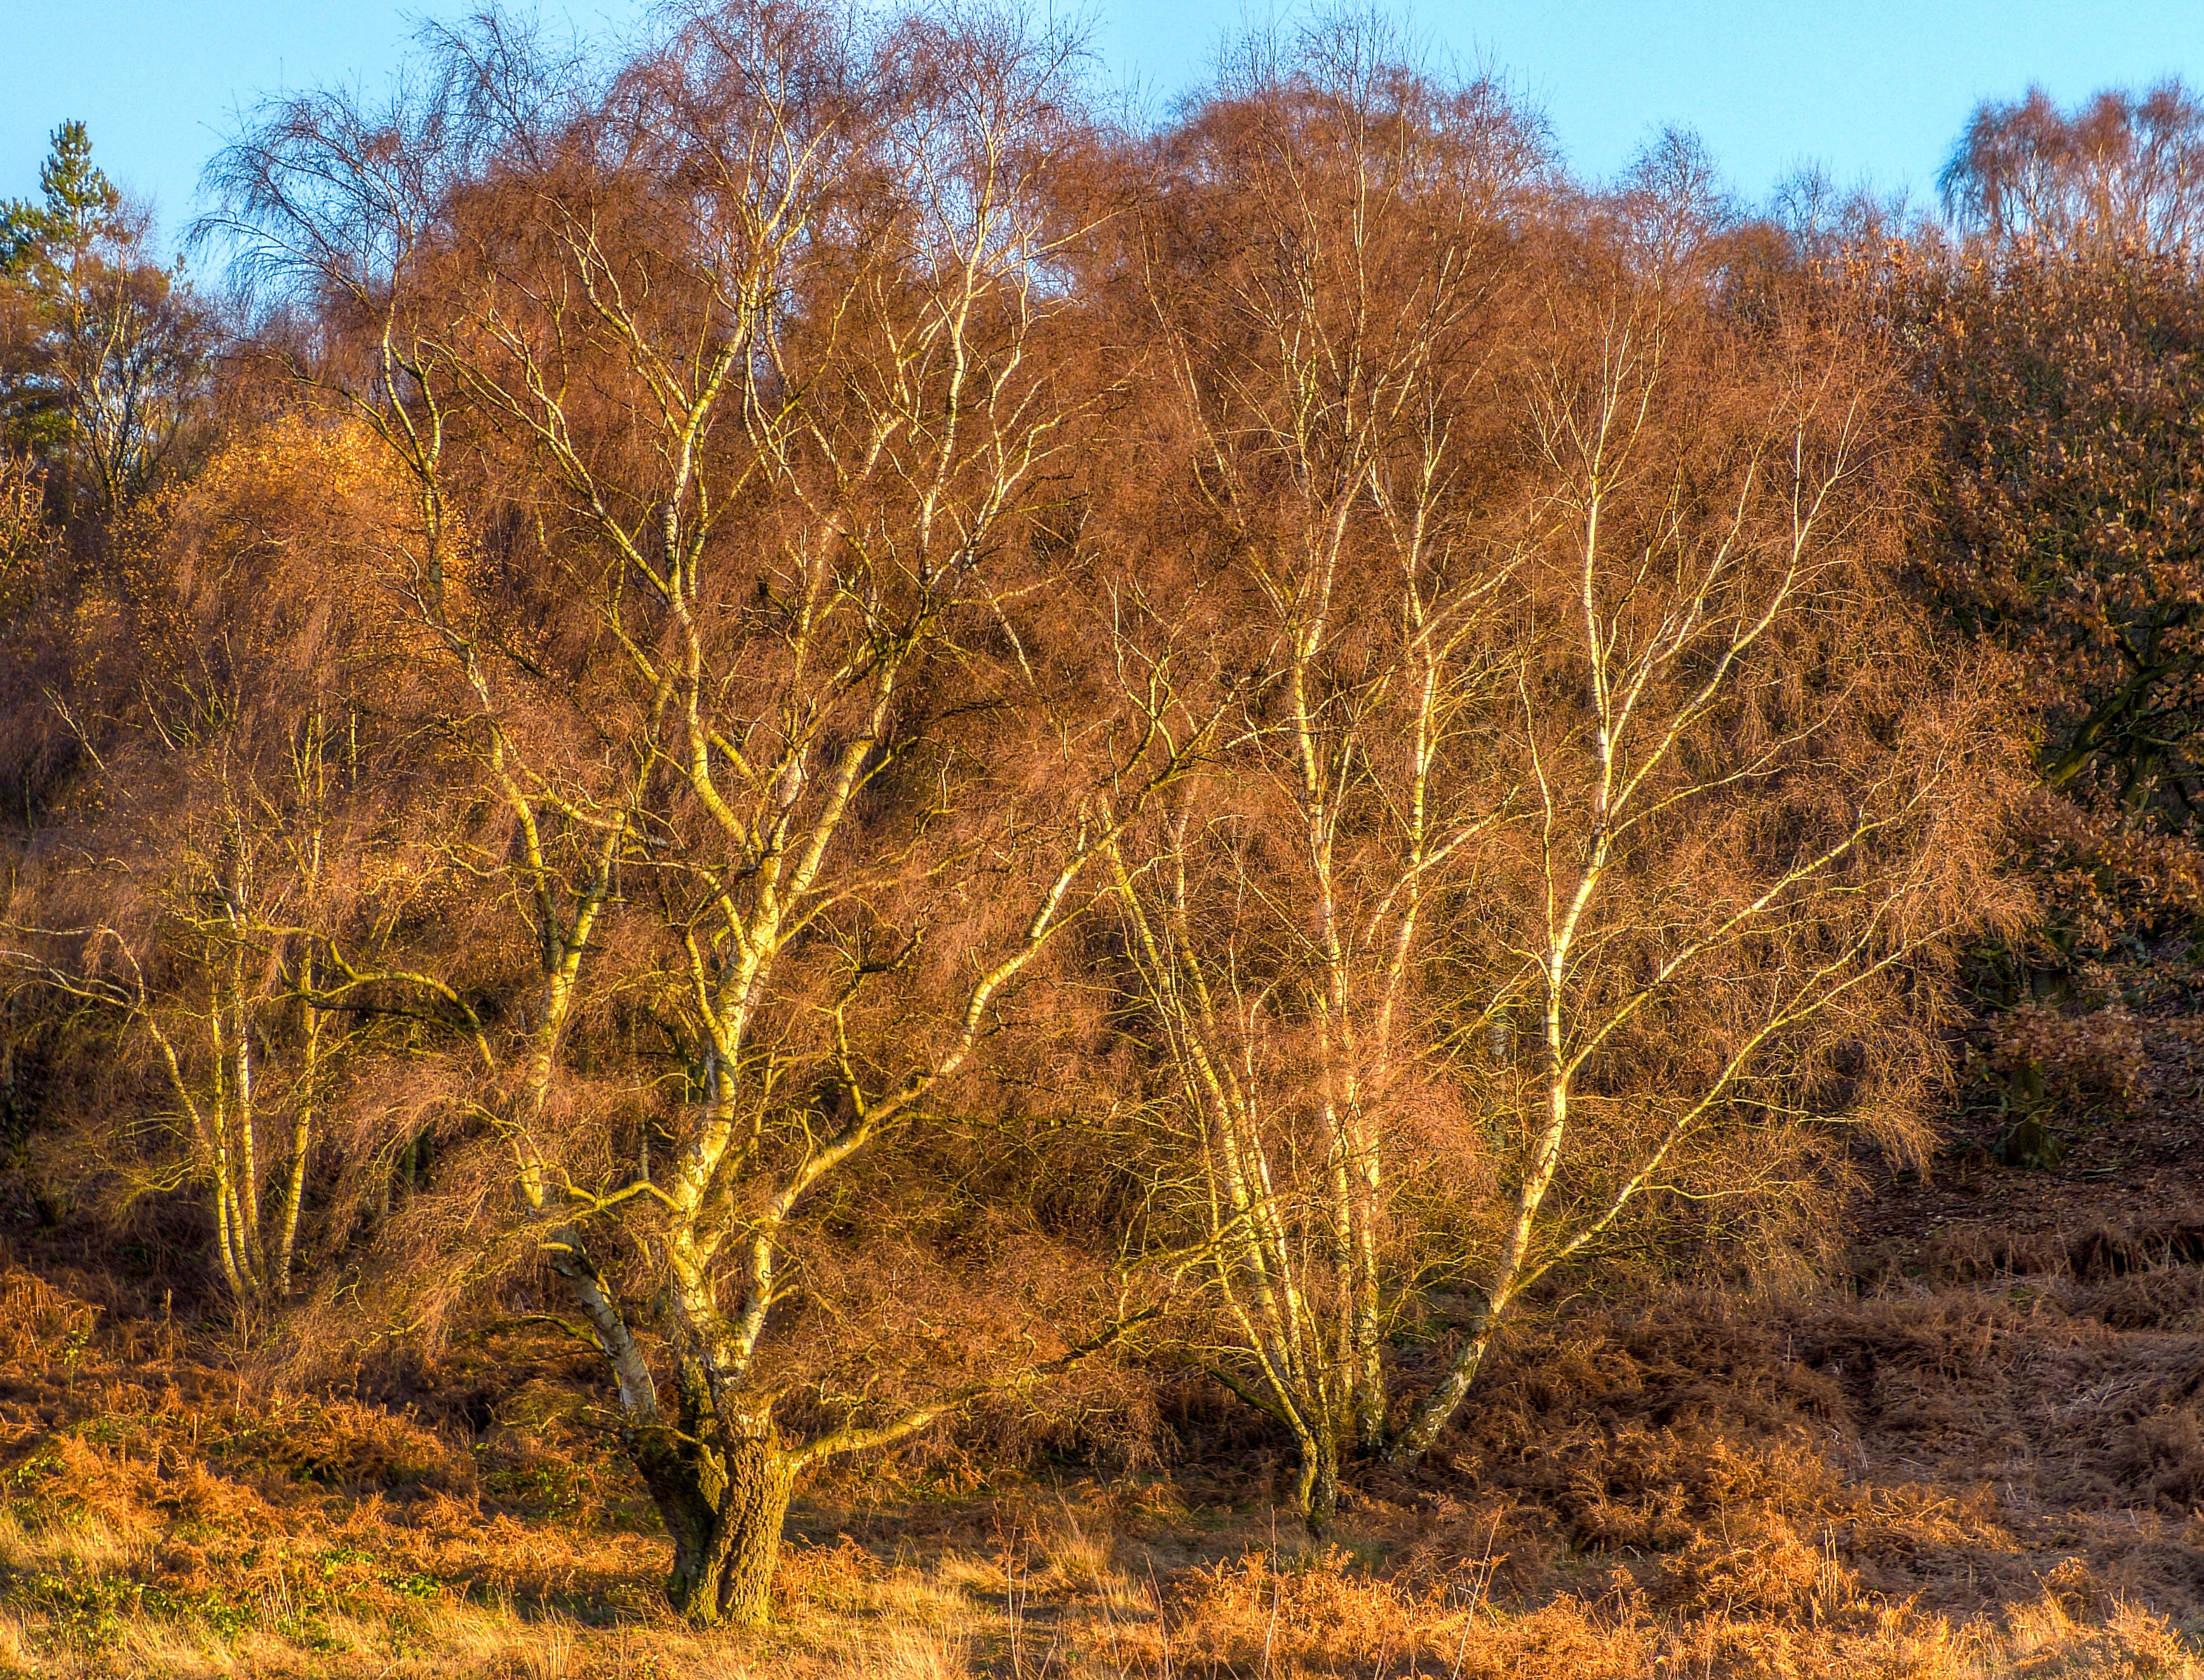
<point x="1870" y="88"/>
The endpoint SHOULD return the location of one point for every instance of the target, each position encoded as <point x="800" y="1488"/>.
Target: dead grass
<point x="1941" y="1484"/>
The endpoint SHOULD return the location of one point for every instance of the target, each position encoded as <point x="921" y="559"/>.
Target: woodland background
<point x="812" y="866"/>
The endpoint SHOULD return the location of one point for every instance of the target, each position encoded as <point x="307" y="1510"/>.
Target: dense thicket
<point x="2058" y="330"/>
<point x="788" y="707"/>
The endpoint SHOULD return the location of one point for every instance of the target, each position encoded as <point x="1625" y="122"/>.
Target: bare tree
<point x="1327" y="356"/>
<point x="810" y="606"/>
<point x="187" y="886"/>
<point x="1759" y="809"/>
<point x="731" y="394"/>
<point x="2119" y="172"/>
<point x="1595" y="819"/>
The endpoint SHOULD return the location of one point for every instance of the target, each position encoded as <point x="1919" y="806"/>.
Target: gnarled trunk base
<point x="724" y="1503"/>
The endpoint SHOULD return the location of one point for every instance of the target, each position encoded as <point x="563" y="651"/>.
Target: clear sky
<point x="1870" y="88"/>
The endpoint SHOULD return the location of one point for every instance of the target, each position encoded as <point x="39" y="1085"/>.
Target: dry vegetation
<point x="810" y="870"/>
<point x="1996" y="1470"/>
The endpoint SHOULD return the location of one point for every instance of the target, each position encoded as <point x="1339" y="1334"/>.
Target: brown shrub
<point x="339" y="1444"/>
<point x="2095" y="1060"/>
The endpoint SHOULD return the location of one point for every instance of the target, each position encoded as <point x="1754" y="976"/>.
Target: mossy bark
<point x="1317" y="1493"/>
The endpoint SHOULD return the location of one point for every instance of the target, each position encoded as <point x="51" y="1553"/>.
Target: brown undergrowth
<point x="1938" y="1480"/>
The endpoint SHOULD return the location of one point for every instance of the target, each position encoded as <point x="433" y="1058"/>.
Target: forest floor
<point x="1982" y="1453"/>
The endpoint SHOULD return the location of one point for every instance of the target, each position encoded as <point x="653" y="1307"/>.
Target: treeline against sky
<point x="786" y="706"/>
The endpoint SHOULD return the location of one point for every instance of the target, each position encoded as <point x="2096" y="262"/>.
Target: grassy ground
<point x="1982" y="1454"/>
<point x="1934" y="1481"/>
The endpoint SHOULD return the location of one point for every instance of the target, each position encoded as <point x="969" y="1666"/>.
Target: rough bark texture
<point x="722" y="1492"/>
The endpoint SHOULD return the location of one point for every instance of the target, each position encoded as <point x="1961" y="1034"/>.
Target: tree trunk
<point x="723" y="1500"/>
<point x="1413" y="1442"/>
<point x="747" y="1544"/>
<point x="1318" y="1491"/>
